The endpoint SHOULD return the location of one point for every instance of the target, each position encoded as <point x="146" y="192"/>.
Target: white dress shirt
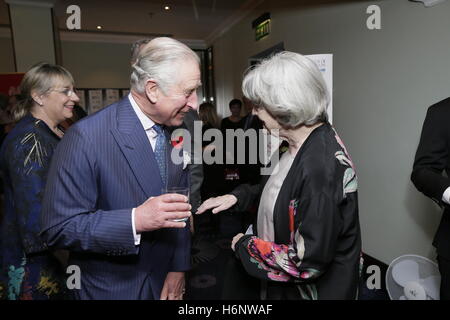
<point x="148" y="124"/>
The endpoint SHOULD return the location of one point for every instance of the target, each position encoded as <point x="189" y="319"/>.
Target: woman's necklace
<point x="58" y="132"/>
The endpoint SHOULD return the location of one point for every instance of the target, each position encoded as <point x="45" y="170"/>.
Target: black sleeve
<point x="246" y="194"/>
<point x="432" y="154"/>
<point x="311" y="251"/>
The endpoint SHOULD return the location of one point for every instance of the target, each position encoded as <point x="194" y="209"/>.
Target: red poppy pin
<point x="177" y="142"/>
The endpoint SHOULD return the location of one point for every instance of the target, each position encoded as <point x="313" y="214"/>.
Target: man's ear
<point x="152" y="90"/>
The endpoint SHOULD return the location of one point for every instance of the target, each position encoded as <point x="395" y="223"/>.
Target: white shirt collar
<point x="147" y="123"/>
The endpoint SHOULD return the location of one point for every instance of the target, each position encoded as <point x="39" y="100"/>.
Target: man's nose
<point x="193" y="101"/>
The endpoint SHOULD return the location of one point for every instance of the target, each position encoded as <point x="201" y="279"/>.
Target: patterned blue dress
<point x="28" y="270"/>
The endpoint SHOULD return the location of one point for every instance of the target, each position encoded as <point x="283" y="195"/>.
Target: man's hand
<point x="218" y="204"/>
<point x="158" y="212"/>
<point x="236" y="239"/>
<point x="173" y="288"/>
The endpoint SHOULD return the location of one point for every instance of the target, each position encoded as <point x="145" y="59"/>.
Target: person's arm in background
<point x="196" y="167"/>
<point x="432" y="154"/>
<point x="196" y="177"/>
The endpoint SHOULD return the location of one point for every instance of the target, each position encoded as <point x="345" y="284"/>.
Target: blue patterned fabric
<point x="28" y="270"/>
<point x="102" y="169"/>
<point x="160" y="152"/>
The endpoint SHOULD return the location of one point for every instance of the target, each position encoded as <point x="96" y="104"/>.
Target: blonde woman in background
<point x="29" y="271"/>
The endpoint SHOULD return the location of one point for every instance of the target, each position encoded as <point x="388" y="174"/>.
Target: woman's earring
<point x="35" y="99"/>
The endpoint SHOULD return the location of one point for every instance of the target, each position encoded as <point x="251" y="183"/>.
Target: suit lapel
<point x="133" y="142"/>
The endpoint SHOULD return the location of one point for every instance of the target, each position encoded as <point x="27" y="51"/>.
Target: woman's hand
<point x="218" y="204"/>
<point x="236" y="239"/>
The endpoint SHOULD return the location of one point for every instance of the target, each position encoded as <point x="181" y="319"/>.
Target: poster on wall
<point x="112" y="95"/>
<point x="82" y="102"/>
<point x="325" y="64"/>
<point x="125" y="92"/>
<point x="95" y="100"/>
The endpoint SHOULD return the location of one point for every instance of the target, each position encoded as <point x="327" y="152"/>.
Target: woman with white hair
<point x="307" y="240"/>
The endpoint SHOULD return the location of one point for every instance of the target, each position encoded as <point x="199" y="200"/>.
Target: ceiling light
<point x="99" y="27"/>
<point x="429" y="3"/>
<point x="166" y="8"/>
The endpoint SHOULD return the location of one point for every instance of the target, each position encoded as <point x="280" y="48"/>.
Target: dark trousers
<point x="238" y="284"/>
<point x="444" y="269"/>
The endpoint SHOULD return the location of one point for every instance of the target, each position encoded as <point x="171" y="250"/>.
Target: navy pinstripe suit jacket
<point x="102" y="168"/>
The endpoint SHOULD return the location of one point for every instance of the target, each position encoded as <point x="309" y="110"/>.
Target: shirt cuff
<point x="137" y="237"/>
<point x="446" y="196"/>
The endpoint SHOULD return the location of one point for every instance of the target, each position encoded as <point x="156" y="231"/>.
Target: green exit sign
<point x="261" y="26"/>
<point x="262" y="29"/>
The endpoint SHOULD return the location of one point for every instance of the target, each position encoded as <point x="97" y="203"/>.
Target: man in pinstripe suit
<point x="103" y="197"/>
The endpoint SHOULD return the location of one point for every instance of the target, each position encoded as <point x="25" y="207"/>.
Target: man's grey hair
<point x="290" y="87"/>
<point x="160" y="60"/>
<point x="136" y="48"/>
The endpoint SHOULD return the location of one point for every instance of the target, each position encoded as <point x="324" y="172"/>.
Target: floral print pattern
<point x="282" y="262"/>
<point x="350" y="181"/>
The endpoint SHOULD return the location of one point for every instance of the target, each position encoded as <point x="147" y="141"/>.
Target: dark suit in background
<point x="431" y="161"/>
<point x="251" y="171"/>
<point x="195" y="170"/>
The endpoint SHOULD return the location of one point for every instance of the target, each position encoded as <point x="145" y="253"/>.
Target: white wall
<point x="97" y="65"/>
<point x="384" y="80"/>
<point x="6" y="55"/>
<point x="32" y="34"/>
<point x="93" y="65"/>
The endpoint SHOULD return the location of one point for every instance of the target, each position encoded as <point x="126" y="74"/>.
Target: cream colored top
<point x="269" y="197"/>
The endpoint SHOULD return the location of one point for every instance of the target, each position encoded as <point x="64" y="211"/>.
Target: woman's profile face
<point x="268" y="121"/>
<point x="60" y="101"/>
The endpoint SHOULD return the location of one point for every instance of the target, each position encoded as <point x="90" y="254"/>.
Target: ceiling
<point x="201" y="20"/>
<point x="186" y="19"/>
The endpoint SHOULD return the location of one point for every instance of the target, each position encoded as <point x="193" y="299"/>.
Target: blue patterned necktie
<point x="160" y="151"/>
